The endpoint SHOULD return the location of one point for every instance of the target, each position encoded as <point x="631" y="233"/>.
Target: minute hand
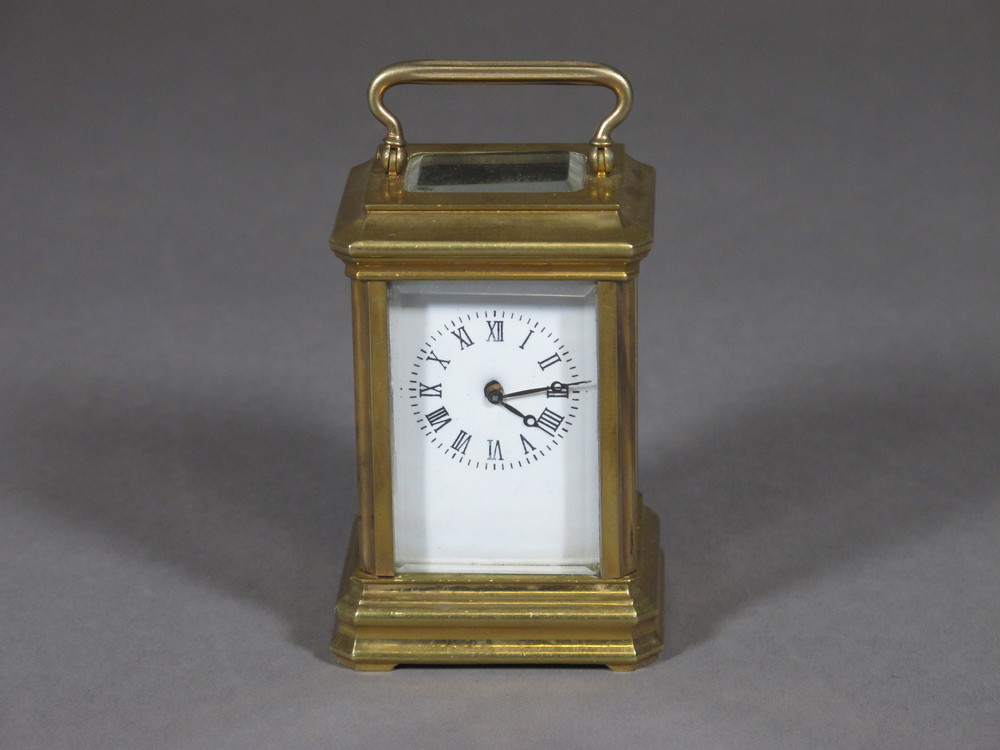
<point x="556" y="385"/>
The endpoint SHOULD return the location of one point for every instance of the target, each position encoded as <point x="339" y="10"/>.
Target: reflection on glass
<point x="497" y="172"/>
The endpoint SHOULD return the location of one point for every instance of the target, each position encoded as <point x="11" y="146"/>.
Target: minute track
<point x="504" y="343"/>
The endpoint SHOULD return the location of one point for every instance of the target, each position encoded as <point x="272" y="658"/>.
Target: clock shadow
<point x="250" y="500"/>
<point x="808" y="477"/>
<point x="258" y="501"/>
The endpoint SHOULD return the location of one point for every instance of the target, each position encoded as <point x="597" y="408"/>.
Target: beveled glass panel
<point x="496" y="172"/>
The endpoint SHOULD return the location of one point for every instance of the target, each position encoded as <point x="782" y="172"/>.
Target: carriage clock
<point x="494" y="320"/>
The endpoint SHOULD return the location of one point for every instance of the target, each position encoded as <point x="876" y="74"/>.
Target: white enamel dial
<point x="456" y="394"/>
<point x="494" y="421"/>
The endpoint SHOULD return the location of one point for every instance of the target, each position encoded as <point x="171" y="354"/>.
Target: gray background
<point x="819" y="370"/>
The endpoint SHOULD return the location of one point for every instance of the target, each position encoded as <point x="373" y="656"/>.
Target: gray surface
<point x="819" y="351"/>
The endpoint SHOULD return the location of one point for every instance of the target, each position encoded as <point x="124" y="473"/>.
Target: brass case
<point x="600" y="233"/>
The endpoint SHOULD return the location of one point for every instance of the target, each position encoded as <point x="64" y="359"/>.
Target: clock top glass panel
<point x="495" y="426"/>
<point x="496" y="172"/>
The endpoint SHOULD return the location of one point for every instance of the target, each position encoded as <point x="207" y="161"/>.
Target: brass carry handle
<point x="392" y="151"/>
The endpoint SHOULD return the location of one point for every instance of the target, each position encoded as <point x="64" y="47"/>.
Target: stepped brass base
<point x="480" y="619"/>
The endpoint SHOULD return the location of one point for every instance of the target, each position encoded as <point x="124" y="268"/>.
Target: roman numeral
<point x="430" y="390"/>
<point x="525" y="340"/>
<point x="493" y="452"/>
<point x="556" y="390"/>
<point x="432" y="357"/>
<point x="549" y="421"/>
<point x="496" y="330"/>
<point x="463" y="337"/>
<point x="549" y="361"/>
<point x="526" y="444"/>
<point x="438" y="418"/>
<point x="461" y="442"/>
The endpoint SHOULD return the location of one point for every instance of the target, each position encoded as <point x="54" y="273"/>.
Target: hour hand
<point x="529" y="420"/>
<point x="512" y="410"/>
